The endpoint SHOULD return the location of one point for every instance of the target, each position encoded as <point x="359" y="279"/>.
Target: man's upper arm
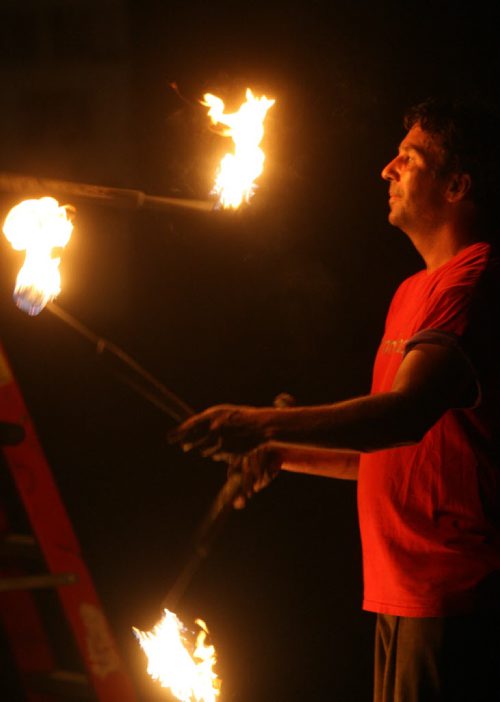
<point x="435" y="378"/>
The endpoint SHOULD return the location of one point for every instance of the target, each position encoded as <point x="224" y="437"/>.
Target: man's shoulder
<point x="468" y="266"/>
<point x="474" y="268"/>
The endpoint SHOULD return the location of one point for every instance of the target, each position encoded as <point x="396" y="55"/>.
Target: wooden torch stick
<point x="123" y="198"/>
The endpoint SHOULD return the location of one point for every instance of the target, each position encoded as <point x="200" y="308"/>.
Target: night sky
<point x="288" y="295"/>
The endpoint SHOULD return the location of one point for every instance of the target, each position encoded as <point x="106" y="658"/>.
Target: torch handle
<point x="163" y="398"/>
<point x="128" y="369"/>
<point x="122" y="198"/>
<point x="219" y="510"/>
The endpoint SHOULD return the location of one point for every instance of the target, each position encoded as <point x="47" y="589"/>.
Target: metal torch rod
<point x="123" y="198"/>
<point x="216" y="516"/>
<point x="150" y="388"/>
<point x="219" y="510"/>
<point x="128" y="370"/>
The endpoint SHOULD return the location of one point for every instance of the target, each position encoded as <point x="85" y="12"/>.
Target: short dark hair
<point x="469" y="132"/>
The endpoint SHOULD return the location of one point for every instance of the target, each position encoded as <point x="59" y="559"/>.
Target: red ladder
<point x="67" y="572"/>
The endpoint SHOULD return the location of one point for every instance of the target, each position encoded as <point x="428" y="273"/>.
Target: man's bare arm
<point x="260" y="467"/>
<point x="431" y="379"/>
<point x="330" y="463"/>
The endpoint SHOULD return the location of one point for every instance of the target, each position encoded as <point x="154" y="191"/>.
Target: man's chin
<point x="393" y="218"/>
<point x="396" y="219"/>
<point x="396" y="216"/>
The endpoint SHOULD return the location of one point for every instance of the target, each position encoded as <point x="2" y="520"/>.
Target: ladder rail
<point x="51" y="525"/>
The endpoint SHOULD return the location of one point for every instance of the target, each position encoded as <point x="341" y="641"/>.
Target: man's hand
<point x="258" y="468"/>
<point x="222" y="430"/>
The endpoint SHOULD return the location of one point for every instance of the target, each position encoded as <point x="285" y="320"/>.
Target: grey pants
<point x="438" y="659"/>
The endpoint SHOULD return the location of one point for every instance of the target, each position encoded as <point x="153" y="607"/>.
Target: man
<point x="425" y="444"/>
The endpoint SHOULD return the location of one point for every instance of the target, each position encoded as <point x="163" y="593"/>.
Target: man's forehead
<point x="423" y="142"/>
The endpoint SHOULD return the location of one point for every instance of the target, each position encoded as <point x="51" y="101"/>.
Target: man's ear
<point x="458" y="187"/>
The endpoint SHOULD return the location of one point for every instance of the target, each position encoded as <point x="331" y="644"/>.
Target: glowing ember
<point x="237" y="172"/>
<point x="38" y="226"/>
<point x="185" y="669"/>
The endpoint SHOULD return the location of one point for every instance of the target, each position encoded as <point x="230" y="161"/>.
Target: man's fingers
<point x="210" y="443"/>
<point x="191" y="435"/>
<point x="234" y="469"/>
<point x="192" y="430"/>
<point x="239" y="502"/>
<point x="180" y="435"/>
<point x="261" y="483"/>
<point x="212" y="450"/>
<point x="202" y="431"/>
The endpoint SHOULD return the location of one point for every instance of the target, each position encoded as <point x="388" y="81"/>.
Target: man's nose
<point x="390" y="171"/>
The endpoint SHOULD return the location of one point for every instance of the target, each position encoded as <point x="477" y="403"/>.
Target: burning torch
<point x="238" y="171"/>
<point x="39" y="226"/>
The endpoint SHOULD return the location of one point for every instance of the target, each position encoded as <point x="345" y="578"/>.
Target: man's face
<point x="416" y="190"/>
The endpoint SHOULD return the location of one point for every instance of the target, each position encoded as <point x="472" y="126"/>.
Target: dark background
<point x="288" y="295"/>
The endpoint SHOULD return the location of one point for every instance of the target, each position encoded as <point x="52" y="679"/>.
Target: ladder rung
<point x="60" y="683"/>
<point x="20" y="547"/>
<point x="35" y="582"/>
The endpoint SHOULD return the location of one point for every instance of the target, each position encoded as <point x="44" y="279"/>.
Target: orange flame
<point x="189" y="676"/>
<point x="38" y="226"/>
<point x="237" y="171"/>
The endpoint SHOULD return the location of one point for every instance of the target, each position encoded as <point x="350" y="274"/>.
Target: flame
<point x="237" y="172"/>
<point x="37" y="226"/>
<point x="189" y="676"/>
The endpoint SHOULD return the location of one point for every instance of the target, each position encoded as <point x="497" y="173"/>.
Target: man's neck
<point x="438" y="247"/>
